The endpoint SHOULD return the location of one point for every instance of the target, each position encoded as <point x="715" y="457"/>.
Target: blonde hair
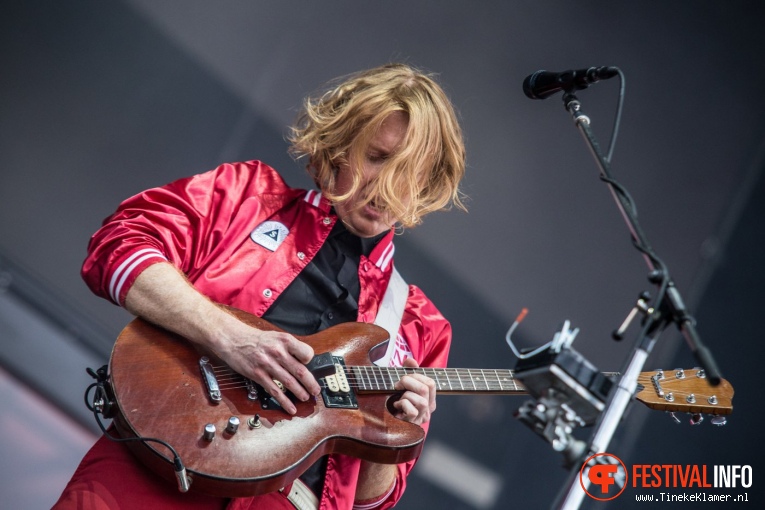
<point x="423" y="174"/>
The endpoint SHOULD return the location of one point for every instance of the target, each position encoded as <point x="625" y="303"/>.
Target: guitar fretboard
<point x="448" y="380"/>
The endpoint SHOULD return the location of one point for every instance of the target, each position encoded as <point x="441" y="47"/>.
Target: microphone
<point x="543" y="84"/>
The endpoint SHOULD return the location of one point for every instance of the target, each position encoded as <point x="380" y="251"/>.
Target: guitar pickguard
<point x="269" y="403"/>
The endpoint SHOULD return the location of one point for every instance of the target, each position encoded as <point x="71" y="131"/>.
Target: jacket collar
<point x="381" y="255"/>
<point x="317" y="199"/>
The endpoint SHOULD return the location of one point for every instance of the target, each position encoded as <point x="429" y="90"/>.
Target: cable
<point x="101" y="379"/>
<point x="618" y="116"/>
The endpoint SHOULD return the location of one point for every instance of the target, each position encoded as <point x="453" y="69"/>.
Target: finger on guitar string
<point x="413" y="408"/>
<point x="292" y="372"/>
<point x="407" y="410"/>
<point x="283" y="365"/>
<point x="421" y="386"/>
<point x="418" y="401"/>
<point x="271" y="387"/>
<point x="264" y="356"/>
<point x="430" y="385"/>
<point x="282" y="380"/>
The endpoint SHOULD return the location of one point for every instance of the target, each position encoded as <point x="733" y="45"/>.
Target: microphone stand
<point x="669" y="308"/>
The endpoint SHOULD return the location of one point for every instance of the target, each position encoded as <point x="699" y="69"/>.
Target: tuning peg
<point x="677" y="420"/>
<point x="696" y="419"/>
<point x="718" y="421"/>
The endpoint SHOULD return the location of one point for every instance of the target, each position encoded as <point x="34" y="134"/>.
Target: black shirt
<point x="325" y="293"/>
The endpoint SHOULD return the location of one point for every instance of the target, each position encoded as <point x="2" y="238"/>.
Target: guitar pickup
<point x="336" y="388"/>
<point x="337" y="382"/>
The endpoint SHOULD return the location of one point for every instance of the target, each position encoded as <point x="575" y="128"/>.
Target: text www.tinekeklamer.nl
<point x="693" y="497"/>
<point x="689" y="477"/>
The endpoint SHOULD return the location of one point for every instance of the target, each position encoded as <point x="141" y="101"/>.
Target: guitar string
<point x="383" y="378"/>
<point x="241" y="384"/>
<point x="376" y="378"/>
<point x="670" y="383"/>
<point x="224" y="369"/>
<point x="238" y="381"/>
<point x="667" y="383"/>
<point x="476" y="374"/>
<point x="228" y="379"/>
<point x="489" y="385"/>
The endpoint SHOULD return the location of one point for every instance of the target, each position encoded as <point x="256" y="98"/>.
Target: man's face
<point x="369" y="221"/>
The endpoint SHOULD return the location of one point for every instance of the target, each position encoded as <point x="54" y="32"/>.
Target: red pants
<point x="110" y="478"/>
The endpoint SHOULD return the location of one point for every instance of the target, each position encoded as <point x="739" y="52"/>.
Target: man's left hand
<point x="418" y="401"/>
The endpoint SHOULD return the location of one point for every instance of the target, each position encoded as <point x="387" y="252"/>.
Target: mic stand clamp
<point x="555" y="422"/>
<point x="567" y="392"/>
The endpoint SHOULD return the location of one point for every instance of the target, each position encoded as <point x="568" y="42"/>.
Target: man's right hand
<point x="163" y="296"/>
<point x="269" y="356"/>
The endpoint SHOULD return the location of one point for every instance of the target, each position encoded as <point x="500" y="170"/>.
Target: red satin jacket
<point x="241" y="235"/>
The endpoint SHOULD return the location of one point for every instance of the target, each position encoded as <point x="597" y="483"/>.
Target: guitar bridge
<point x="211" y="382"/>
<point x="336" y="389"/>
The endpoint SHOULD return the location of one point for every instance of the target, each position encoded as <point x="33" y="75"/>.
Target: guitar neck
<point x="449" y="381"/>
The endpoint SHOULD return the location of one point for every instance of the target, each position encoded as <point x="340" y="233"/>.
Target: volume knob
<point x="233" y="425"/>
<point x="209" y="432"/>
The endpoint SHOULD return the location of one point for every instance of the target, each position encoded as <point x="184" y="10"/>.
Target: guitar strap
<point x="391" y="311"/>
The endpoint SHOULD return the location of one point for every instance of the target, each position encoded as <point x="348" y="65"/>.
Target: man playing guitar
<point x="384" y="148"/>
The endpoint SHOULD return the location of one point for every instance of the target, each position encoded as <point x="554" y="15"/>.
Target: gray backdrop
<point x="99" y="100"/>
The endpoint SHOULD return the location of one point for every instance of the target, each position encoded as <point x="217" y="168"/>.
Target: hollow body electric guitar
<point x="235" y="440"/>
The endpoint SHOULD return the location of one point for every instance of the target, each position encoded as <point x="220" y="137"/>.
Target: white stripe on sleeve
<point x="123" y="271"/>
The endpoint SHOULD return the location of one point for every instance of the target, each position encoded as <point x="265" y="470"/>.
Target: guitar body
<point x="160" y="393"/>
